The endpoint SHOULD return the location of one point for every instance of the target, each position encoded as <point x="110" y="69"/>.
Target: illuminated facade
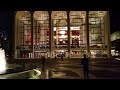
<point x="70" y="33"/>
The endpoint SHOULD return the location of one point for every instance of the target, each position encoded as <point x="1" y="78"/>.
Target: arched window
<point x="97" y="33"/>
<point x="60" y="29"/>
<point x="77" y="33"/>
<point x="59" y="24"/>
<point x="41" y="33"/>
<point x="23" y="34"/>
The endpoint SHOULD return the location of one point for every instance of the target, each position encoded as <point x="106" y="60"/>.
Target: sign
<point x="75" y="28"/>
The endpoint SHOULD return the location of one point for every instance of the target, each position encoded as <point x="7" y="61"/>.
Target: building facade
<point x="56" y="33"/>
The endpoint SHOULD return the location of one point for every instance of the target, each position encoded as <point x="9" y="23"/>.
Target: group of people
<point x="62" y="56"/>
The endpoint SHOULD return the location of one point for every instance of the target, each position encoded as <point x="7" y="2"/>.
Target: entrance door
<point x="58" y="53"/>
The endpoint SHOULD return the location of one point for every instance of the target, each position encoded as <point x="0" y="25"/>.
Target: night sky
<point x="6" y="22"/>
<point x="114" y="21"/>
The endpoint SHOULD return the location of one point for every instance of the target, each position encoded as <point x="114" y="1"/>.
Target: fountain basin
<point x="30" y="74"/>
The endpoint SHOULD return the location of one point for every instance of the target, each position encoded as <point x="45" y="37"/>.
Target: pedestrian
<point x="55" y="57"/>
<point x="85" y="64"/>
<point x="43" y="62"/>
<point x="62" y="57"/>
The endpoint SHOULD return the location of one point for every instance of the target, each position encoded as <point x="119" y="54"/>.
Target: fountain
<point x="10" y="72"/>
<point x="2" y="61"/>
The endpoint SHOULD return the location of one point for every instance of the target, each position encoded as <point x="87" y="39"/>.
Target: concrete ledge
<point x="20" y="75"/>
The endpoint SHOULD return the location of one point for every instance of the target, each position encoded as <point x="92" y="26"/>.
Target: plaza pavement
<point x="98" y="69"/>
<point x="72" y="69"/>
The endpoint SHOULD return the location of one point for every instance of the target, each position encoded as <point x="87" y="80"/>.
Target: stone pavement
<point x="99" y="69"/>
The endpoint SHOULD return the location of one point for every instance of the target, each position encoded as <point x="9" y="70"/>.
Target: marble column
<point x="87" y="33"/>
<point x="32" y="34"/>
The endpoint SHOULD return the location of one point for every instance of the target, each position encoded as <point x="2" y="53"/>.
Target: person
<point x="62" y="57"/>
<point x="43" y="62"/>
<point x="55" y="57"/>
<point x="85" y="64"/>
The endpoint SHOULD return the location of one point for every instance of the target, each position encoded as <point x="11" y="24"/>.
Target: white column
<point x="84" y="35"/>
<point x="50" y="36"/>
<point x="108" y="31"/>
<point x="52" y="39"/>
<point x="87" y="33"/>
<point x="56" y="35"/>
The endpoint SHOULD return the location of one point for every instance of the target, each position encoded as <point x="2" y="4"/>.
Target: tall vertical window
<point x="23" y="34"/>
<point x="97" y="31"/>
<point x="60" y="35"/>
<point x="59" y="24"/>
<point x="77" y="29"/>
<point x="41" y="33"/>
<point x="77" y="33"/>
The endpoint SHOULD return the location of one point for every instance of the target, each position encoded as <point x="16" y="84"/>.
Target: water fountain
<point x="6" y="70"/>
<point x="2" y="61"/>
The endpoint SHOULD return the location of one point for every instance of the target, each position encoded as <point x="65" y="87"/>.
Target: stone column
<point x="107" y="25"/>
<point x="32" y="34"/>
<point x="56" y="36"/>
<point x="35" y="24"/>
<point x="87" y="33"/>
<point x="50" y="35"/>
<point x="68" y="25"/>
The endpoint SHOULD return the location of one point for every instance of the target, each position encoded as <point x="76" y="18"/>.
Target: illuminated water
<point x="2" y="61"/>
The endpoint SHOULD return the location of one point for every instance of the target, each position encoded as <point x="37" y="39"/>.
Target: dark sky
<point x="114" y="21"/>
<point x="6" y="19"/>
<point x="6" y="22"/>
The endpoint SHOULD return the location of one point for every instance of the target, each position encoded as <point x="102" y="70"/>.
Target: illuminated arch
<point x="20" y="14"/>
<point x="59" y="14"/>
<point x="25" y="17"/>
<point x="81" y="14"/>
<point x="97" y="13"/>
<point x="77" y="14"/>
<point x="40" y="15"/>
<point x="41" y="28"/>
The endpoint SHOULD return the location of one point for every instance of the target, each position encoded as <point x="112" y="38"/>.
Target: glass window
<point x="98" y="53"/>
<point x="41" y="33"/>
<point x="96" y="30"/>
<point x="77" y="53"/>
<point x="59" y="20"/>
<point x="23" y="34"/>
<point x="77" y="29"/>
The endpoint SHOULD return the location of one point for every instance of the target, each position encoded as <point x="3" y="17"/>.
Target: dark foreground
<point x="67" y="69"/>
